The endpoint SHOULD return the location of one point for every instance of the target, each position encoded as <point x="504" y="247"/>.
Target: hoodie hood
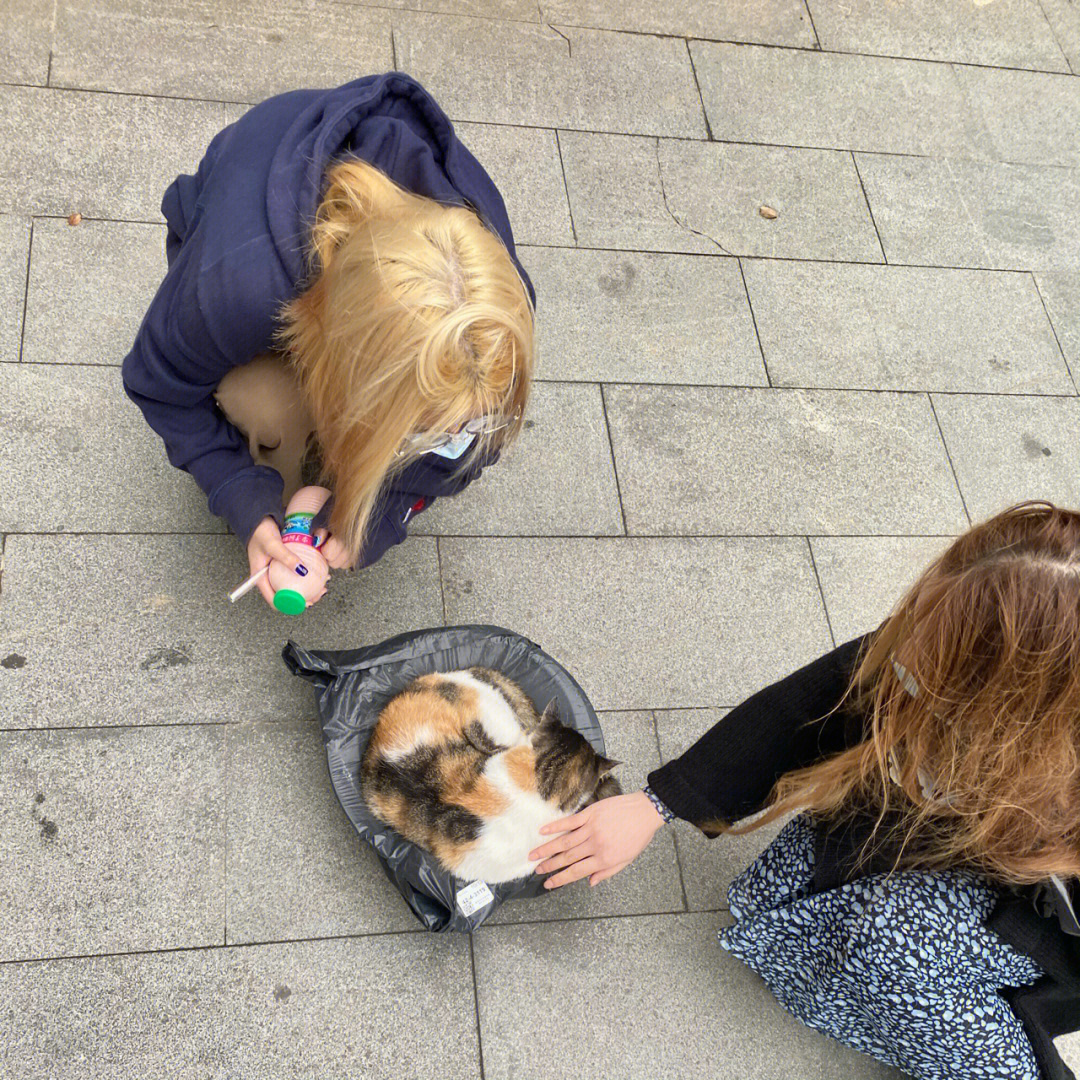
<point x="392" y="122"/>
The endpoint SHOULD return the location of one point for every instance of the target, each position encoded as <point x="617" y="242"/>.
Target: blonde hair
<point x="416" y="320"/>
<point x="972" y="692"/>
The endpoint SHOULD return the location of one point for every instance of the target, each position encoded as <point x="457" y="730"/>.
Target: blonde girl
<point x="922" y="906"/>
<point x="343" y="303"/>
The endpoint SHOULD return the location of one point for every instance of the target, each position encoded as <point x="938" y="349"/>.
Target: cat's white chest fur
<point x="501" y="853"/>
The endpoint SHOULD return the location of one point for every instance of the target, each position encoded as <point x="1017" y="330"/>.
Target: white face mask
<point x="456" y="446"/>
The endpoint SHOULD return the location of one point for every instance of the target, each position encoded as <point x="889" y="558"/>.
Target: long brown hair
<point x="416" y="320"/>
<point x="971" y="688"/>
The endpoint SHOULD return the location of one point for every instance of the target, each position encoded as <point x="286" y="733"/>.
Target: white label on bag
<point x="473" y="897"/>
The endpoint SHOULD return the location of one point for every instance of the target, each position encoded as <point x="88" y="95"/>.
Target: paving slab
<point x="863" y="577"/>
<point x="63" y="146"/>
<point x="14" y="256"/>
<point x="557" y="479"/>
<point x="639" y="317"/>
<point x="524" y="163"/>
<point x="732" y="613"/>
<point x="25" y="34"/>
<point x="1006" y="450"/>
<point x="1027" y="117"/>
<point x="710" y="461"/>
<point x="1061" y="295"/>
<point x="517" y="10"/>
<point x="303" y="1009"/>
<point x="296" y="868"/>
<point x="1064" y="19"/>
<point x="794" y="97"/>
<point x="1068" y="1046"/>
<point x="517" y="73"/>
<point x="903" y="328"/>
<point x="678" y="195"/>
<point x="111" y="840"/>
<point x="968" y="213"/>
<point x="240" y="50"/>
<point x="79" y="457"/>
<point x="708" y="866"/>
<point x="771" y="22"/>
<point x="666" y="998"/>
<point x="651" y="883"/>
<point x="138" y="630"/>
<point x="90" y="286"/>
<point x="1015" y="34"/>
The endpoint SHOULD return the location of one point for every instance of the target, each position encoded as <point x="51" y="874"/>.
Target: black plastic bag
<point x="352" y="687"/>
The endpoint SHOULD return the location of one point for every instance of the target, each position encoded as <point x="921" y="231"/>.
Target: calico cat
<point x="462" y="765"/>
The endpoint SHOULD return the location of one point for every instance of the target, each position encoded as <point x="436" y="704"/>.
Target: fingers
<point x="561" y="843"/>
<point x="266" y="589"/>
<point x="571" y="855"/>
<point x="603" y="875"/>
<point x="280" y="553"/>
<point x="579" y="870"/>
<point x="336" y="554"/>
<point x="567" y="823"/>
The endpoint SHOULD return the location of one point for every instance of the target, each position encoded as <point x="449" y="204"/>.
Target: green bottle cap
<point x="289" y="601"/>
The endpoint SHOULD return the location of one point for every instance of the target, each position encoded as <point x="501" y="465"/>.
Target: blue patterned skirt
<point x="901" y="967"/>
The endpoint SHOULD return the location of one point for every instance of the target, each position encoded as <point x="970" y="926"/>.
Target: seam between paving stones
<point x="43" y="365"/>
<point x="1057" y="40"/>
<point x="442" y="585"/>
<point x="411" y="932"/>
<point x="674" y="832"/>
<point x="821" y="592"/>
<point x="753" y="319"/>
<point x="813" y="26"/>
<point x="989" y="161"/>
<point x="701" y="96"/>
<point x="26" y="292"/>
<point x="754" y="257"/>
<point x="476" y="1006"/>
<point x="869" y="208"/>
<point x="948" y="455"/>
<point x="669" y="35"/>
<point x="1053" y="330"/>
<point x="566" y="191"/>
<point x="614" y="466"/>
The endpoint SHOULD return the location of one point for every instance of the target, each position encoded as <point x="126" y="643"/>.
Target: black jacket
<point x="730" y="772"/>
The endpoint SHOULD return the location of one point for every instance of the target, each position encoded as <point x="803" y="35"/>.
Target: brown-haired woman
<point x="922" y="906"/>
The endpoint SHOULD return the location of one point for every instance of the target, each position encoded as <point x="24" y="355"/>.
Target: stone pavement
<point x="748" y="437"/>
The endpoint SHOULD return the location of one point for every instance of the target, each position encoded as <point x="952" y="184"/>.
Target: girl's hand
<point x="265" y="544"/>
<point x="333" y="551"/>
<point x="599" y="841"/>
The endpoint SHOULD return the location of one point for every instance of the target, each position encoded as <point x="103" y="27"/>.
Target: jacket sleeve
<point x="731" y="770"/>
<point x="171" y="373"/>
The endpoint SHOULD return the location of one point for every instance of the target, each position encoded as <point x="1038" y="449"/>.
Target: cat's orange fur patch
<point x="521" y="767"/>
<point x="422" y="711"/>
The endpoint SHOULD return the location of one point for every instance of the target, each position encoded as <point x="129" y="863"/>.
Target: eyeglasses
<point x="428" y="442"/>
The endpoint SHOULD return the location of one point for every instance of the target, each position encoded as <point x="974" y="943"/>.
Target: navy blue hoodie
<point x="237" y="249"/>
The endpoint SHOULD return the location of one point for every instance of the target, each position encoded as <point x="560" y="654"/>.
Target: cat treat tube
<point x="296" y="590"/>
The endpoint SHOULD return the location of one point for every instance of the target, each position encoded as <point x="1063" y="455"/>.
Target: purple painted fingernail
<point x="302" y="570"/>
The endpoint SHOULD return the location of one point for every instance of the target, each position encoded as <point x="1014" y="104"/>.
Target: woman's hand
<point x="265" y="544"/>
<point x="599" y="841"/>
<point x="333" y="550"/>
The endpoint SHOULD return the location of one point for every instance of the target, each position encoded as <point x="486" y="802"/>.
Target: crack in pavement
<point x="667" y="207"/>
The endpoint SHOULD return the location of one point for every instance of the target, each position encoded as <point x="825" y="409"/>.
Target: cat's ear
<point x="605" y="765"/>
<point x="550" y="717"/>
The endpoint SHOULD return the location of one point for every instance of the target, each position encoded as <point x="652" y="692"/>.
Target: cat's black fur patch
<point x="477" y="736"/>
<point x="416" y="777"/>
<point x="449" y="691"/>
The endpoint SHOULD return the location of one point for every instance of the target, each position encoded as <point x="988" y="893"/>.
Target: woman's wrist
<point x="657" y="804"/>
